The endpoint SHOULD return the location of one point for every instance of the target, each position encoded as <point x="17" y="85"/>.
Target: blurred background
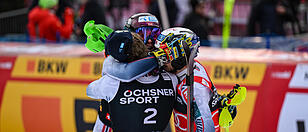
<point x="278" y="22"/>
<point x="44" y="76"/>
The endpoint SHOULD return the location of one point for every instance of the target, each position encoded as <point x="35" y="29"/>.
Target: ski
<point x="190" y="89"/>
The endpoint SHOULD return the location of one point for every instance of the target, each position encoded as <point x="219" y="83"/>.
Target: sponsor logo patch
<point x="147" y="19"/>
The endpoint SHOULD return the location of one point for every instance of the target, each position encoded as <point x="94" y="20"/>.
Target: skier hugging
<point x="144" y="79"/>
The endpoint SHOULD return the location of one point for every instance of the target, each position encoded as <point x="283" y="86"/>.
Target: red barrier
<point x="34" y="84"/>
<point x="6" y="66"/>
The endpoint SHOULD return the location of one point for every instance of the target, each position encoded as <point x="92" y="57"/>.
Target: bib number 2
<point x="148" y="119"/>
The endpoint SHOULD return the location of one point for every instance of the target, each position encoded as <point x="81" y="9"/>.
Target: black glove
<point x="232" y="110"/>
<point x="233" y="91"/>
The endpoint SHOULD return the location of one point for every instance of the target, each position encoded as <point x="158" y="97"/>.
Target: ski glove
<point x="161" y="54"/>
<point x="228" y="105"/>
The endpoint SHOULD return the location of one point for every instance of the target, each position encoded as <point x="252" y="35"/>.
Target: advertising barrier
<point x="47" y="92"/>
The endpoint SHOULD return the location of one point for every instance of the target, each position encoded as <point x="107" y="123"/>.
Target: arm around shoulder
<point x="103" y="88"/>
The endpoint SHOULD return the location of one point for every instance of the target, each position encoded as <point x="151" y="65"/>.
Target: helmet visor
<point x="148" y="33"/>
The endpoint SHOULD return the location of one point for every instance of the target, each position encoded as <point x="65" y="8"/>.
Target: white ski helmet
<point x="171" y="35"/>
<point x="179" y="42"/>
<point x="176" y="32"/>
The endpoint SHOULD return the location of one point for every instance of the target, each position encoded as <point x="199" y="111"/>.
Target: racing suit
<point x="203" y="86"/>
<point x="144" y="104"/>
<point x="206" y="119"/>
<point x="49" y="25"/>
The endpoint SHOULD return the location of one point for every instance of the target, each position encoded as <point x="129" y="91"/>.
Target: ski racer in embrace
<point x="178" y="38"/>
<point x="207" y="103"/>
<point x="141" y="105"/>
<point x="144" y="24"/>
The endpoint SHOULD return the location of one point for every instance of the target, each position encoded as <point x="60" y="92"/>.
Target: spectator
<point x="292" y="13"/>
<point x="63" y="4"/>
<point x="198" y="22"/>
<point x="171" y="7"/>
<point x="43" y="22"/>
<point x="62" y="7"/>
<point x="93" y="10"/>
<point x="117" y="8"/>
<point x="269" y="17"/>
<point x="183" y="11"/>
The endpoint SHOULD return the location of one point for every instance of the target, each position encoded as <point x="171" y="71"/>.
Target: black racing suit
<point x="143" y="105"/>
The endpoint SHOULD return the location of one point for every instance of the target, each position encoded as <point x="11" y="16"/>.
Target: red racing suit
<point x="46" y="25"/>
<point x="206" y="119"/>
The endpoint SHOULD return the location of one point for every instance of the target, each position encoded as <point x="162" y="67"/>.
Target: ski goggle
<point x="148" y="33"/>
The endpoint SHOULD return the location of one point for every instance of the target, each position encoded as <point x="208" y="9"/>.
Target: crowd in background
<point x="64" y="20"/>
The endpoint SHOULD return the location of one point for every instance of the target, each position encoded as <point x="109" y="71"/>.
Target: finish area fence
<point x="13" y="22"/>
